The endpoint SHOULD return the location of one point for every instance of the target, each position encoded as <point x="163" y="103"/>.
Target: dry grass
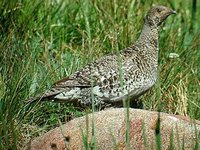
<point x="44" y="41"/>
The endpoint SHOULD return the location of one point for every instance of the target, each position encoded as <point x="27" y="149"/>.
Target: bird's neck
<point x="149" y="35"/>
<point x="149" y="39"/>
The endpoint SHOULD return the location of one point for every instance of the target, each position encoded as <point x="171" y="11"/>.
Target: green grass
<point x="44" y="41"/>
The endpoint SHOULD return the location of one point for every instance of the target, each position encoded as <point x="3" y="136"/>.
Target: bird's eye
<point x="159" y="10"/>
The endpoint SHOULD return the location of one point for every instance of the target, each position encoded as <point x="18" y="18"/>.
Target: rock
<point x="110" y="131"/>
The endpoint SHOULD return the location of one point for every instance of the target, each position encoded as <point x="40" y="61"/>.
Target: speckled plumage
<point x="114" y="78"/>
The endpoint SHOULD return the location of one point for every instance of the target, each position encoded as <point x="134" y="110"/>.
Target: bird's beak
<point x="173" y="11"/>
<point x="169" y="12"/>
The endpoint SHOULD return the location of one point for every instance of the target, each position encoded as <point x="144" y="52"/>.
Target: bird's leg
<point x="136" y="103"/>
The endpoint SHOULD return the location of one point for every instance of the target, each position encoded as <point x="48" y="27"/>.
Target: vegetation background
<point x="43" y="41"/>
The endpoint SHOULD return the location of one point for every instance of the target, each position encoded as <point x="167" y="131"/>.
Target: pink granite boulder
<point x="111" y="128"/>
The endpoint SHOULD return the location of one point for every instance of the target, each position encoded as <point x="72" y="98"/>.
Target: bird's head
<point x="157" y="14"/>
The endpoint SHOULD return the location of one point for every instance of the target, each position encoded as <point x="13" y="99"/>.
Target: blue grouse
<point x="105" y="81"/>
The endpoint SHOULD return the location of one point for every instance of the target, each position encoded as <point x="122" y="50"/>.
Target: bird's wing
<point x="66" y="84"/>
<point x="72" y="82"/>
<point x="89" y="75"/>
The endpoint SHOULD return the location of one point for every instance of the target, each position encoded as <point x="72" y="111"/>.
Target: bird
<point x="112" y="79"/>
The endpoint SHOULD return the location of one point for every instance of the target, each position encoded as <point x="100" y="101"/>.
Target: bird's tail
<point x="46" y="96"/>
